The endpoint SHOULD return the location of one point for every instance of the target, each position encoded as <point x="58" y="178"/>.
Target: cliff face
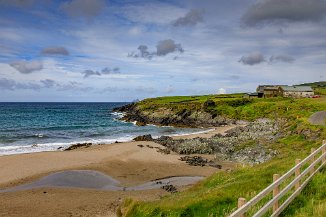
<point x="167" y="117"/>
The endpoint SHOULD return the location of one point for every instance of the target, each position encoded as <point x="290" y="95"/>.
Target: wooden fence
<point x="316" y="158"/>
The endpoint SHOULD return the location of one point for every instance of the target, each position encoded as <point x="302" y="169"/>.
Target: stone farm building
<point x="269" y="90"/>
<point x="297" y="91"/>
<point x="266" y="91"/>
<point x="251" y="95"/>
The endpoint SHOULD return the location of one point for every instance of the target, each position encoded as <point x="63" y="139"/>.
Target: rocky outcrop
<point x="147" y="137"/>
<point x="240" y="144"/>
<point x="78" y="145"/>
<point x="167" y="117"/>
<point x="199" y="161"/>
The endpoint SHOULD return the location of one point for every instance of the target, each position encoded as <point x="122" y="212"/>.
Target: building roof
<point x="297" y="89"/>
<point x="261" y="88"/>
<point x="271" y="88"/>
<point x="252" y="94"/>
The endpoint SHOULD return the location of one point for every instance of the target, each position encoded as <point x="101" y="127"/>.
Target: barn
<point x="296" y="91"/>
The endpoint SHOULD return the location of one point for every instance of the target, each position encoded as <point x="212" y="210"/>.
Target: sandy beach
<point x="125" y="162"/>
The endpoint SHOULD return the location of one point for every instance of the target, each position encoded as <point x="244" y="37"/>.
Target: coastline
<point x="49" y="147"/>
<point x="85" y="157"/>
<point x="126" y="162"/>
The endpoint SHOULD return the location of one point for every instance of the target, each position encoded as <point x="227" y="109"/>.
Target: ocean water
<point x="35" y="127"/>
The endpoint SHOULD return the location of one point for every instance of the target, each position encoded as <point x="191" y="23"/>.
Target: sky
<point x="114" y="50"/>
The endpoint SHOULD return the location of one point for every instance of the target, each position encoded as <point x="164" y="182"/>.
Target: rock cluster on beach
<point x="78" y="145"/>
<point x="199" y="161"/>
<point x="240" y="144"/>
<point x="246" y="144"/>
<point x="169" y="188"/>
<point x="147" y="137"/>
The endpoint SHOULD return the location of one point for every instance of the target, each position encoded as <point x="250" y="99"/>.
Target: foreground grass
<point x="218" y="194"/>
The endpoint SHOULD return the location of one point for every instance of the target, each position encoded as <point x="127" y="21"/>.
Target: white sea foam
<point x="15" y="149"/>
<point x="21" y="149"/>
<point x="118" y="114"/>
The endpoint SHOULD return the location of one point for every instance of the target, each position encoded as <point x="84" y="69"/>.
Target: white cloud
<point x="135" y="31"/>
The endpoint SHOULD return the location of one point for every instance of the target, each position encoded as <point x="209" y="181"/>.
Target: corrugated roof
<point x="271" y="88"/>
<point x="297" y="88"/>
<point x="261" y="88"/>
<point x="252" y="94"/>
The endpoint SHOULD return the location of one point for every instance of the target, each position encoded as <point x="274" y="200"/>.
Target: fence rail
<point x="298" y="183"/>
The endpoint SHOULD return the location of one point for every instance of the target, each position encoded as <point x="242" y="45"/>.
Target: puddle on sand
<point x="91" y="179"/>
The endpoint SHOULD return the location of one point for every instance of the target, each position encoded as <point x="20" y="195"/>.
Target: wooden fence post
<point x="276" y="191"/>
<point x="241" y="202"/>
<point x="324" y="151"/>
<point x="312" y="160"/>
<point x="297" y="173"/>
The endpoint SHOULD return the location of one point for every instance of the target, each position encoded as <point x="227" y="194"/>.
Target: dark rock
<point x="208" y="103"/>
<point x="218" y="135"/>
<point x="60" y="148"/>
<point x="213" y="164"/>
<point x="163" y="150"/>
<point x="78" y="145"/>
<point x="149" y="146"/>
<point x="125" y="108"/>
<point x="184" y="113"/>
<point x="147" y="137"/>
<point x="163" y="140"/>
<point x="139" y="123"/>
<point x="140" y="146"/>
<point x="170" y="188"/>
<point x="194" y="160"/>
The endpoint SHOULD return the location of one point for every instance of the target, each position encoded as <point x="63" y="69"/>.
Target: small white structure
<point x="221" y="91"/>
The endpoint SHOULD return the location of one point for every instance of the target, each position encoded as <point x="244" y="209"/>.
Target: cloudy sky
<point x="97" y="50"/>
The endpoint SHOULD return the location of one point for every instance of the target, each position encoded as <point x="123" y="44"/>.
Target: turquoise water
<point x="34" y="127"/>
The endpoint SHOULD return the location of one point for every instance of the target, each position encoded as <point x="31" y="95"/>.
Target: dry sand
<point x="126" y="162"/>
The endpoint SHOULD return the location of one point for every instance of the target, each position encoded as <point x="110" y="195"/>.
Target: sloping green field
<point x="218" y="194"/>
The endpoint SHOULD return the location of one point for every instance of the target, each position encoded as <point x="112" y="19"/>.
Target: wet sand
<point x="128" y="163"/>
<point x="91" y="179"/>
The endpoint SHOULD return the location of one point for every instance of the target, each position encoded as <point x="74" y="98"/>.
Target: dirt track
<point x="319" y="118"/>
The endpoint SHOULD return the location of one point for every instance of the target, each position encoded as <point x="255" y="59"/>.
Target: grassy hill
<point x="218" y="194"/>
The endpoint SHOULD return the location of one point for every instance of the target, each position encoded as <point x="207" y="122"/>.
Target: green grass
<point x="218" y="194"/>
<point x="236" y="107"/>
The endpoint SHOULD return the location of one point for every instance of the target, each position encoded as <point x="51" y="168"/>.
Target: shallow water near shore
<point x="35" y="127"/>
<point x="90" y="179"/>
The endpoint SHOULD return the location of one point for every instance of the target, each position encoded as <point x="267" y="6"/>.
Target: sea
<point x="35" y="127"/>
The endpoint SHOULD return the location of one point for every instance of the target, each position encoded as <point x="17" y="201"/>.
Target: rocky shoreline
<point x="244" y="144"/>
<point x="167" y="117"/>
